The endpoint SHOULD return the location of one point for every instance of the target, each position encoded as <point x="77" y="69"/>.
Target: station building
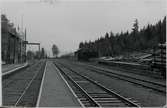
<point x="13" y="49"/>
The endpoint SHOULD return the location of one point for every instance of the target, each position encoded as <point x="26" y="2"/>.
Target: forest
<point x="144" y="39"/>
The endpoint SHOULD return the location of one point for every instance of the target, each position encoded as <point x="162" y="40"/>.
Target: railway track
<point x="21" y="88"/>
<point x="148" y="72"/>
<point x="141" y="82"/>
<point x="144" y="83"/>
<point x="91" y="93"/>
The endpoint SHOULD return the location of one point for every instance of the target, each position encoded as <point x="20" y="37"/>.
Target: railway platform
<point x="54" y="91"/>
<point x="12" y="67"/>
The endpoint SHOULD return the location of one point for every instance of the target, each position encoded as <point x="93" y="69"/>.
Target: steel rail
<point x="130" y="70"/>
<point x="28" y="86"/>
<point x="109" y="74"/>
<point x="4" y="77"/>
<point x="15" y="69"/>
<point x="127" y="101"/>
<point x="93" y="102"/>
<point x="129" y="76"/>
<point x="41" y="85"/>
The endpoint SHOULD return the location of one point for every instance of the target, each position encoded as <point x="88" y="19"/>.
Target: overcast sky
<point x="68" y="22"/>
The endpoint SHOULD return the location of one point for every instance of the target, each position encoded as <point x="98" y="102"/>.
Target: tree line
<point x="121" y="43"/>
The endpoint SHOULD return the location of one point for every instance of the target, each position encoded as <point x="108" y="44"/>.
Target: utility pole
<point x="20" y="50"/>
<point x="22" y="22"/>
<point x="39" y="47"/>
<point x="25" y="45"/>
<point x="21" y="37"/>
<point x="14" y="52"/>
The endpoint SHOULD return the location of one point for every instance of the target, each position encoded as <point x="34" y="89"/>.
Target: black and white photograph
<point x="83" y="53"/>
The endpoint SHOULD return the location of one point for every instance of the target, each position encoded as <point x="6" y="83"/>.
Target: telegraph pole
<point x="25" y="45"/>
<point x="21" y="37"/>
